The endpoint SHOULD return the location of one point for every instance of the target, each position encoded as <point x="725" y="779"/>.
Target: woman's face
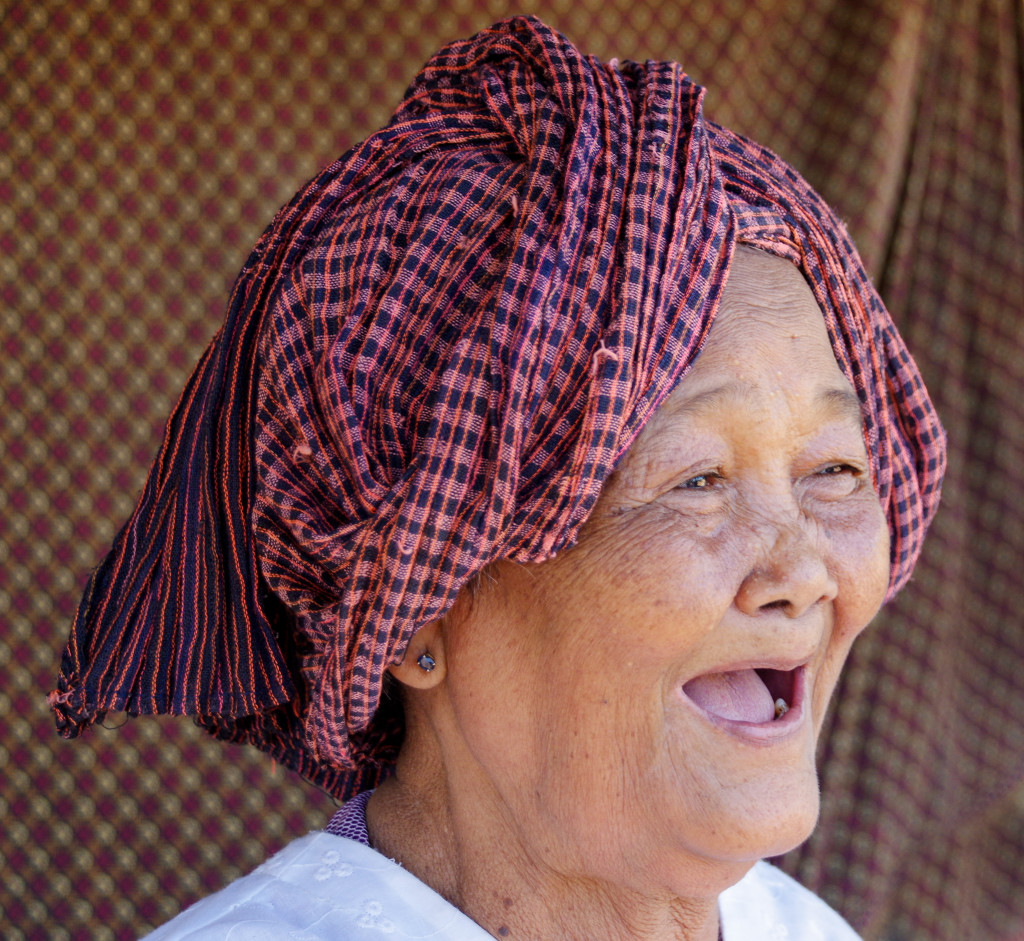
<point x="616" y="704"/>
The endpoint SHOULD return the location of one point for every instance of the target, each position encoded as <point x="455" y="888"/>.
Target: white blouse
<point x="324" y="887"/>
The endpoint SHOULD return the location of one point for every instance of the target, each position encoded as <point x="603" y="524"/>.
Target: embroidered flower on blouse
<point x="373" y="917"/>
<point x="331" y="866"/>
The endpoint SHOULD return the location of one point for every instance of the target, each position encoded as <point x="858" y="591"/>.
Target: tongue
<point x="740" y="696"/>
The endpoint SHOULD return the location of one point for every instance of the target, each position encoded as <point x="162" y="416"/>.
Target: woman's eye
<point x="835" y="470"/>
<point x="837" y="480"/>
<point x="701" y="482"/>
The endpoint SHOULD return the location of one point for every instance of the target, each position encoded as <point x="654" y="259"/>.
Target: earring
<point x="426" y="662"/>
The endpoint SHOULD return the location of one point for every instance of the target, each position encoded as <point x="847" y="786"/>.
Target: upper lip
<point x="782" y="664"/>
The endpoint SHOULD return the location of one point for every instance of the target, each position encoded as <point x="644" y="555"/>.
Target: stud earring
<point x="426" y="662"/>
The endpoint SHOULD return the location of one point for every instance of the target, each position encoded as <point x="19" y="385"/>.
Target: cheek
<point x="655" y="568"/>
<point x="488" y="680"/>
<point x="861" y="566"/>
<point x="861" y="554"/>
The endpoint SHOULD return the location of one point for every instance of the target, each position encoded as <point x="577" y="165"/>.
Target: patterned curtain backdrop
<point x="144" y="144"/>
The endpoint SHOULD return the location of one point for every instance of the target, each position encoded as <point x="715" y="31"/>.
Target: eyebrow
<point x="842" y="401"/>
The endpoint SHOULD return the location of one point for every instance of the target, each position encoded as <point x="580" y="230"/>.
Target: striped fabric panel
<point x="433" y="359"/>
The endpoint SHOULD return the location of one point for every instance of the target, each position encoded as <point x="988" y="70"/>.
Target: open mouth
<point x="754" y="695"/>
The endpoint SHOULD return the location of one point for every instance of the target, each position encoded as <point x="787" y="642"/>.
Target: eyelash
<point x="710" y="476"/>
<point x="832" y="470"/>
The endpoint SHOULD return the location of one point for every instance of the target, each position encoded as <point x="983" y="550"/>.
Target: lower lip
<point x="763" y="733"/>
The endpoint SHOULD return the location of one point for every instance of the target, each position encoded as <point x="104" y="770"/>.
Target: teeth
<point x="781" y="707"/>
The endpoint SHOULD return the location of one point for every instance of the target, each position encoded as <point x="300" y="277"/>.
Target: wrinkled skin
<point x="595" y="749"/>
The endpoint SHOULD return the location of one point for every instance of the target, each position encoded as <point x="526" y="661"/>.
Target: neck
<point x="477" y="859"/>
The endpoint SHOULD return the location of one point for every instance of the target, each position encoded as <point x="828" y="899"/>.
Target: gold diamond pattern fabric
<point x="144" y="145"/>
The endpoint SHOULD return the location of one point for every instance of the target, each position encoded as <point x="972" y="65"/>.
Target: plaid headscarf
<point x="433" y="359"/>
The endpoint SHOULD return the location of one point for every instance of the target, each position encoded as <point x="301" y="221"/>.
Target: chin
<point x="784" y="816"/>
<point x="726" y="864"/>
<point x="697" y="847"/>
<point x="793" y="834"/>
<point x="767" y="818"/>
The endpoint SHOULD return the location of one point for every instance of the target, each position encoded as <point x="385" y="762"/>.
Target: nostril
<point x="792" y="593"/>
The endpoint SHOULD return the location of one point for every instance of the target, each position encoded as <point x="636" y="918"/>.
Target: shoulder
<point x="318" y="887"/>
<point x="767" y="905"/>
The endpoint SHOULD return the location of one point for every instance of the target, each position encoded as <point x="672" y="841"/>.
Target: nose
<point x="790" y="573"/>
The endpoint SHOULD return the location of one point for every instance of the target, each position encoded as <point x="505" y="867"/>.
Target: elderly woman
<point x="554" y="452"/>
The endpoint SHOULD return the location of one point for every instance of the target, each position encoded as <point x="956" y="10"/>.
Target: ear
<point x="427" y="640"/>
